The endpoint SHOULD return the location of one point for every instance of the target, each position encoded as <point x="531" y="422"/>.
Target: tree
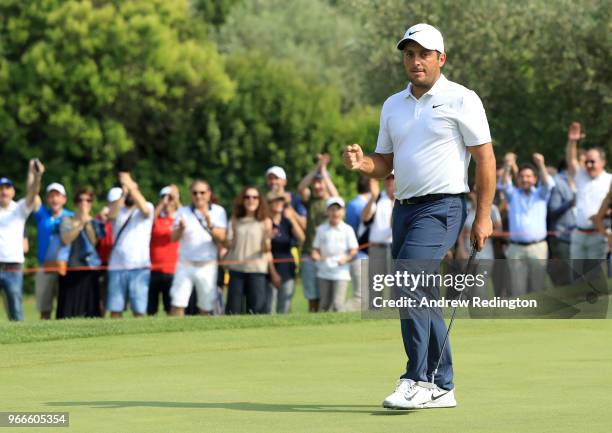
<point x="316" y="37"/>
<point x="537" y="65"/>
<point x="84" y="82"/>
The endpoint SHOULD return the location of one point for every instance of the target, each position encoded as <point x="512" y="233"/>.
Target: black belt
<point x="4" y="266"/>
<point x="526" y="243"/>
<point x="427" y="198"/>
<point x="586" y="230"/>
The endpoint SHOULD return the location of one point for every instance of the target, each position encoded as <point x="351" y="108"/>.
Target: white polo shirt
<point x="12" y="222"/>
<point x="334" y="242"/>
<point x="428" y="137"/>
<point x="197" y="244"/>
<point x="380" y="230"/>
<point x="131" y="251"/>
<point x="590" y="192"/>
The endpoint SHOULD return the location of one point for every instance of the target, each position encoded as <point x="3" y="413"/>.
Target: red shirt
<point x="164" y="252"/>
<point x="105" y="245"/>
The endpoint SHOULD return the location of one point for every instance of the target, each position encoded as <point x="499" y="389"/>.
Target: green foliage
<point x="276" y="117"/>
<point x="84" y="82"/>
<point x="214" y="12"/>
<point x="536" y="64"/>
<point x="90" y="86"/>
<point x="313" y="35"/>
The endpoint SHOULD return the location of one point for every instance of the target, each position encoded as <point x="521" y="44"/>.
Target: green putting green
<point x="302" y="373"/>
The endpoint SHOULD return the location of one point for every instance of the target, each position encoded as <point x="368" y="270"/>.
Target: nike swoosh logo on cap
<point x="412" y="33"/>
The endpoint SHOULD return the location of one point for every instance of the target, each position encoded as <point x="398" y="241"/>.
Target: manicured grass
<point x="266" y="374"/>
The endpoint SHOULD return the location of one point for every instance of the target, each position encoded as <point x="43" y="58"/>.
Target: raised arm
<point x="115" y="207"/>
<point x="324" y="160"/>
<point x="35" y="172"/>
<point x="509" y="167"/>
<point x="370" y="208"/>
<point x="574" y="133"/>
<point x="377" y="165"/>
<point x="485" y="191"/>
<point x="303" y="187"/>
<point x="132" y="188"/>
<point x="296" y="226"/>
<point x="538" y="159"/>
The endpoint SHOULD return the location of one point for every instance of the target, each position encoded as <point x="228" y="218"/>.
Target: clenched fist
<point x="352" y="157"/>
<point x="574" y="132"/>
<point x="538" y="158"/>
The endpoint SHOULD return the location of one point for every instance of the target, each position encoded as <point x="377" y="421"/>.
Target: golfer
<point x="428" y="132"/>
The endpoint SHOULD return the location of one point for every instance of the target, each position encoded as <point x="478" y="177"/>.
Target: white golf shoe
<point x="441" y="398"/>
<point x="419" y="395"/>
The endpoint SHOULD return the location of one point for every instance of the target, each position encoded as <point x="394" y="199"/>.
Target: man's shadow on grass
<point x="240" y="406"/>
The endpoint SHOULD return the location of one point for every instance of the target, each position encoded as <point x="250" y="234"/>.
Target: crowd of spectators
<point x="199" y="261"/>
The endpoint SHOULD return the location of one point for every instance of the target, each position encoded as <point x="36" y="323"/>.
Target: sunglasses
<point x="251" y="197"/>
<point x="590" y="162"/>
<point x="199" y="192"/>
<point x="81" y="200"/>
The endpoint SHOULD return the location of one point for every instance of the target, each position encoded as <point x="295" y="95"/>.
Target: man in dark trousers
<point x="428" y="132"/>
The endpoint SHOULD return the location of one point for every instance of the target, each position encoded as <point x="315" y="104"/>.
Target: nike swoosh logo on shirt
<point x="436" y="106"/>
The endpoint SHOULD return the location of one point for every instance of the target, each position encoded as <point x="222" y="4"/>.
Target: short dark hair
<point x="528" y="166"/>
<point x="88" y="190"/>
<point x="363" y="185"/>
<point x="562" y="165"/>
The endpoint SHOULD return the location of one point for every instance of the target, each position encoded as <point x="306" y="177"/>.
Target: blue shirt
<point x="527" y="212"/>
<point x="46" y="225"/>
<point x="561" y="212"/>
<point x="297" y="205"/>
<point x="353" y="217"/>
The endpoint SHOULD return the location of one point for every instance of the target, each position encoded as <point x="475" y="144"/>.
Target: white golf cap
<point x="277" y="171"/>
<point x="334" y="200"/>
<point x="114" y="194"/>
<point x="425" y="35"/>
<point x="165" y="191"/>
<point x="57" y="187"/>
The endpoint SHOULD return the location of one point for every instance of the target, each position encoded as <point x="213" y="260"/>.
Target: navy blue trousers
<point x="422" y="234"/>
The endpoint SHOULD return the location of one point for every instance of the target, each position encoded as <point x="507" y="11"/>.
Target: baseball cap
<point x="114" y="194"/>
<point x="5" y="181"/>
<point x="334" y="200"/>
<point x="425" y="35"/>
<point x="277" y="171"/>
<point x="56" y="187"/>
<point x="167" y="190"/>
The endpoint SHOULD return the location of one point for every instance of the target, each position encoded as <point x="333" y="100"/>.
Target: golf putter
<point x="473" y="253"/>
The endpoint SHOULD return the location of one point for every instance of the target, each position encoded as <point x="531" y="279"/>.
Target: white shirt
<point x="12" y="223"/>
<point x="132" y="249"/>
<point x="334" y="242"/>
<point x="380" y="229"/>
<point x="428" y="137"/>
<point x="197" y="244"/>
<point x="589" y="195"/>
